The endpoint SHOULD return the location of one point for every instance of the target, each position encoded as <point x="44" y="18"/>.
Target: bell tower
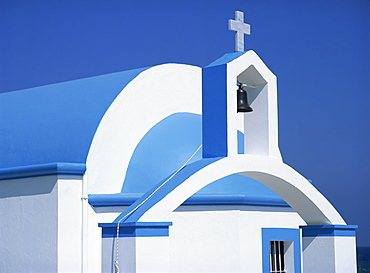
<point x="221" y="121"/>
<point x="227" y="85"/>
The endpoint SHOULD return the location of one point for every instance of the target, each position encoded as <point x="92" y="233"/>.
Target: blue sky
<point x="319" y="51"/>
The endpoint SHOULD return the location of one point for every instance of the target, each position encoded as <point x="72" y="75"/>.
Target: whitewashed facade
<point x="162" y="152"/>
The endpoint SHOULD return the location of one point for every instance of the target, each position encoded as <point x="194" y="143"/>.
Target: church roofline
<point x="56" y="122"/>
<point x="228" y="57"/>
<point x="57" y="168"/>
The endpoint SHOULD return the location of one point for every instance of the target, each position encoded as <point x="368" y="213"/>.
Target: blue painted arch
<point x="162" y="151"/>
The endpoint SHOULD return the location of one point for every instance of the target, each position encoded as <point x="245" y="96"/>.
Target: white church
<point x="171" y="168"/>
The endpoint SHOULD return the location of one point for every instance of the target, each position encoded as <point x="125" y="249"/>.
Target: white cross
<point x="241" y="28"/>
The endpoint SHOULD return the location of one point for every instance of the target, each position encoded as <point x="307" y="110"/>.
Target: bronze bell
<point x="242" y="100"/>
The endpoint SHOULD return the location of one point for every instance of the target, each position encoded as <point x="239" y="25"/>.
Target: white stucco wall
<point x="40" y="224"/>
<point x="203" y="239"/>
<point x="95" y="245"/>
<point x="69" y="223"/>
<point x="339" y="253"/>
<point x="223" y="239"/>
<point x="29" y="225"/>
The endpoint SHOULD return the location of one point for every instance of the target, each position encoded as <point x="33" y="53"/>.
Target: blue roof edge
<point x="86" y="78"/>
<point x="56" y="168"/>
<point x="228" y="57"/>
<point x="119" y="199"/>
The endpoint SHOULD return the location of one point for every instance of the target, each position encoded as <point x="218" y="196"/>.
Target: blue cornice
<point x="135" y="229"/>
<point x="329" y="230"/>
<point x="111" y="200"/>
<point x="57" y="168"/>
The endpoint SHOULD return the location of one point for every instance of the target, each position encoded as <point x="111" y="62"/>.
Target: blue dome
<point x="57" y="122"/>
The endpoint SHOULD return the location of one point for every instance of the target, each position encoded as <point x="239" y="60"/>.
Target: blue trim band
<point x="240" y="137"/>
<point x="214" y="111"/>
<point x="135" y="229"/>
<point x="281" y="234"/>
<point x="329" y="231"/>
<point x="57" y="168"/>
<point x="111" y="200"/>
<point x="214" y="106"/>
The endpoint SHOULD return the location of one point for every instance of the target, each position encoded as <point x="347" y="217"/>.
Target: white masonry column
<point x="329" y="249"/>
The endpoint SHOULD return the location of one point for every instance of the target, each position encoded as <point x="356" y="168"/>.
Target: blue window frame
<point x="290" y="241"/>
